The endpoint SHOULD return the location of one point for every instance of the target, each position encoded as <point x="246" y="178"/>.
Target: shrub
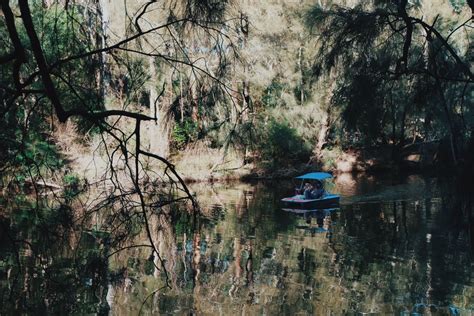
<point x="282" y="145"/>
<point x="72" y="186"/>
<point x="184" y="133"/>
<point x="272" y="94"/>
<point x="457" y="5"/>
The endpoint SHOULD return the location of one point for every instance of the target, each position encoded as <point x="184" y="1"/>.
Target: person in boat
<point x="308" y="188"/>
<point x="318" y="192"/>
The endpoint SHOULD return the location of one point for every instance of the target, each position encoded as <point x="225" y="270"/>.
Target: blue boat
<point x="304" y="201"/>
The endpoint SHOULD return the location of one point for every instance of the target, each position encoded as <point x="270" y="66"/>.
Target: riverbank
<point x="199" y="162"/>
<point x="203" y="164"/>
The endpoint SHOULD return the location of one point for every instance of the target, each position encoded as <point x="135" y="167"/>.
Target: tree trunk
<point x="323" y="133"/>
<point x="158" y="131"/>
<point x="452" y="128"/>
<point x="300" y="65"/>
<point x="244" y="26"/>
<point x="194" y="102"/>
<point x="103" y="13"/>
<point x="325" y="123"/>
<point x="181" y="101"/>
<point x="401" y="137"/>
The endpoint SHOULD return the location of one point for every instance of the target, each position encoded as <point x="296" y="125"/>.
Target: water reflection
<point x="320" y="217"/>
<point x="382" y="252"/>
<point x="389" y="249"/>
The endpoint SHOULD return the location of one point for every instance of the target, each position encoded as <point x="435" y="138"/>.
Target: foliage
<point x="273" y="93"/>
<point x="329" y="158"/>
<point x="457" y="5"/>
<point x="281" y="145"/>
<point x="62" y="34"/>
<point x="340" y="27"/>
<point x="362" y="100"/>
<point x="301" y="92"/>
<point x="128" y="80"/>
<point x="184" y="133"/>
<point x="385" y="71"/>
<point x="72" y="186"/>
<point x="26" y="145"/>
<point x="26" y="149"/>
<point x="63" y="76"/>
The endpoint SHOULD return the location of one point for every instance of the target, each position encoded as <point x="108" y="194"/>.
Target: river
<point x="395" y="246"/>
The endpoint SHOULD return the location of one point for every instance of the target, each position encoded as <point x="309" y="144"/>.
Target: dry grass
<point x="82" y="153"/>
<point x="199" y="162"/>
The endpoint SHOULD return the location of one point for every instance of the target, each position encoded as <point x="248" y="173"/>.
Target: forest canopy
<point x="401" y="75"/>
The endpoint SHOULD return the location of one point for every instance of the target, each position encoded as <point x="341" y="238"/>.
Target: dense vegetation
<point x="374" y="77"/>
<point x="408" y="83"/>
<point x="106" y="108"/>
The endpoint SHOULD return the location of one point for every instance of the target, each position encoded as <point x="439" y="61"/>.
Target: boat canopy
<point x="315" y="176"/>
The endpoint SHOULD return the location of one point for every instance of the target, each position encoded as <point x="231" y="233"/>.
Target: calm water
<point x="395" y="246"/>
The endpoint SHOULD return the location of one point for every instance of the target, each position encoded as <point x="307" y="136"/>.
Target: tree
<point x="54" y="70"/>
<point x="385" y="50"/>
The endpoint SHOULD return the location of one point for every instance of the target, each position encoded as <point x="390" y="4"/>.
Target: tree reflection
<point x="244" y="253"/>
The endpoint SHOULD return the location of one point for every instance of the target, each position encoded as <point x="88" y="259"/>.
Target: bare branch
<point x="18" y="54"/>
<point x="41" y="61"/>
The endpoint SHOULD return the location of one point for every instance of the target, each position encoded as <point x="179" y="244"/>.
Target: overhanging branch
<point x="41" y="61"/>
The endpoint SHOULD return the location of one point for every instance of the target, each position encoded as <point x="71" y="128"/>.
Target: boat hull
<point x="298" y="202"/>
